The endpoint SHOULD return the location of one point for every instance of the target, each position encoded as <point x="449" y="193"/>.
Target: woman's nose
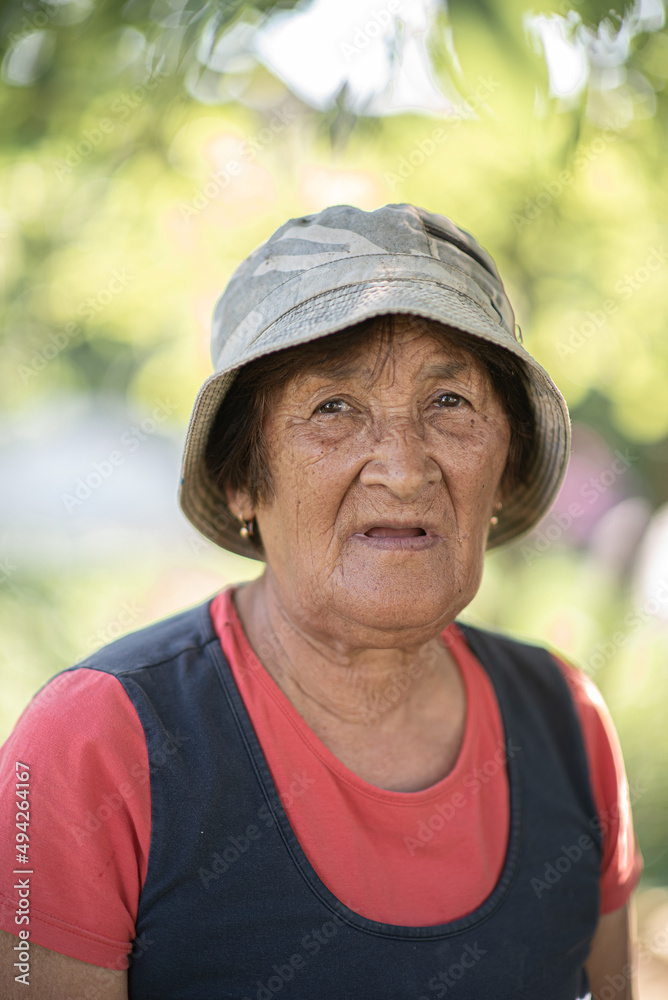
<point x="400" y="462"/>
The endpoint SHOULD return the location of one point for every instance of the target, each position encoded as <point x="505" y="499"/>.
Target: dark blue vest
<point x="231" y="906"/>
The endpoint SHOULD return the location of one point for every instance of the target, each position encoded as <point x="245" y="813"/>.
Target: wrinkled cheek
<point x="476" y="568"/>
<point x="311" y="549"/>
<point x="464" y="561"/>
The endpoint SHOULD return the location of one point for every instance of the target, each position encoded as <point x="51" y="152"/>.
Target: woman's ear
<point x="240" y="504"/>
<point x="241" y="507"/>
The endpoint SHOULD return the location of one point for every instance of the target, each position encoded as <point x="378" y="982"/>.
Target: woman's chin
<point x="406" y="593"/>
<point x="402" y="613"/>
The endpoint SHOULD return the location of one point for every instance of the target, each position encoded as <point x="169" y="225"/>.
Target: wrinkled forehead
<point x="385" y="348"/>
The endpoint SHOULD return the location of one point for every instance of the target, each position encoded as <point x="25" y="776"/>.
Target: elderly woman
<point x="320" y="784"/>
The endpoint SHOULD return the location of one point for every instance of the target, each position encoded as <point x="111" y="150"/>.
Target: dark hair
<point x="236" y="453"/>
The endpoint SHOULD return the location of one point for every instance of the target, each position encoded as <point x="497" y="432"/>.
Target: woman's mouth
<point x="402" y="538"/>
<point x="394" y="532"/>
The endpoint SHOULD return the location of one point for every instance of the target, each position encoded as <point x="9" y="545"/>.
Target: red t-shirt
<point x="378" y="851"/>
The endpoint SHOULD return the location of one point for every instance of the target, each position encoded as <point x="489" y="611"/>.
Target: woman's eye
<point x="449" y="399"/>
<point x="332" y="406"/>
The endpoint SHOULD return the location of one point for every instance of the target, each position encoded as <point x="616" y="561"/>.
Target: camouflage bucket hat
<point x="321" y="273"/>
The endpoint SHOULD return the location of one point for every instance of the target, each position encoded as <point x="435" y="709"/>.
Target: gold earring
<point x="497" y="506"/>
<point x="247" y="528"/>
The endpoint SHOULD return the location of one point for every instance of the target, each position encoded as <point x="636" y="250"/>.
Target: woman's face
<point x="385" y="479"/>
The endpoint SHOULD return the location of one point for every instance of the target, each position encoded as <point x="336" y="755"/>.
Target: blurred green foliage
<point x="141" y="159"/>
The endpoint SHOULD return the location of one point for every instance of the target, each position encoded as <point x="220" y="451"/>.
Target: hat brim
<point x="206" y="507"/>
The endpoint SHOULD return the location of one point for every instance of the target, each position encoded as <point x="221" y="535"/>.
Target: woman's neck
<point x="396" y="717"/>
<point x="379" y="687"/>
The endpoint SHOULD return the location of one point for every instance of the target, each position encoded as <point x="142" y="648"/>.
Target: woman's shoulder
<point x="156" y="643"/>
<point x="523" y="650"/>
<point x="97" y="701"/>
<point x="585" y="695"/>
<point x="495" y="638"/>
<point x="73" y="719"/>
<point x="518" y="660"/>
<point x="583" y="689"/>
<point x="596" y="721"/>
<point x="593" y="713"/>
